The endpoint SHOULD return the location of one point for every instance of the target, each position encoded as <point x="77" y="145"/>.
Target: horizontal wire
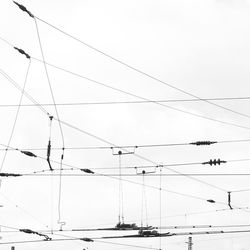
<point x="131" y="146"/>
<point x="176" y="227"/>
<point x="128" y="102"/>
<point x="136" y="183"/>
<point x="113" y="145"/>
<point x="97" y="239"/>
<point x="124" y="167"/>
<point x="151" y="175"/>
<point x="239" y="191"/>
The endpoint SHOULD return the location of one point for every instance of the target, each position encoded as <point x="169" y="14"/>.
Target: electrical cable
<point x="127" y="102"/>
<point x="140" y="71"/>
<point x="241" y="190"/>
<point x="61" y="223"/>
<point x="17" y="86"/>
<point x="137" y="155"/>
<point x="121" y="214"/>
<point x="160" y="202"/>
<point x="23" y="210"/>
<point x="134" y="146"/>
<point x="146" y="99"/>
<point x="153" y="187"/>
<point x="136" y="175"/>
<point x="16" y="117"/>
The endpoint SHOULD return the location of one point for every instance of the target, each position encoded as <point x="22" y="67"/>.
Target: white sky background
<point x="199" y="46"/>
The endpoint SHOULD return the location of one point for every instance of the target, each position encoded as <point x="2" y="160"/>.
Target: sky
<point x="200" y="47"/>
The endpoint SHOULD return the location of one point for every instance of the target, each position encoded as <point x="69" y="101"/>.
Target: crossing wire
<point x="155" y="102"/>
<point x="146" y="99"/>
<point x="137" y="155"/>
<point x="61" y="223"/>
<point x="150" y="186"/>
<point x="16" y="117"/>
<point x="140" y="71"/>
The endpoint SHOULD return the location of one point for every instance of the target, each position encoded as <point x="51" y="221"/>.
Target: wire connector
<point x="9" y="175"/>
<point x="229" y="200"/>
<point x="22" y="52"/>
<point x="120" y="152"/>
<point x="23" y="8"/>
<point x="86" y="239"/>
<point x="211" y="201"/>
<point x="86" y="170"/>
<point x="48" y="155"/>
<point x="203" y="143"/>
<point x="214" y="162"/>
<point x="28" y="153"/>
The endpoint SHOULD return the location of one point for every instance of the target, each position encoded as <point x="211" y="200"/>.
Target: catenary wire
<point x="146" y="99"/>
<point x="137" y="155"/>
<point x="161" y="104"/>
<point x="150" y="186"/>
<point x="138" y="70"/>
<point x="127" y="102"/>
<point x="16" y="117"/>
<point x="132" y="146"/>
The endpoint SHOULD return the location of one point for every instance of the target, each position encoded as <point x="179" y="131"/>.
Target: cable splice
<point x="23" y="8"/>
<point x="22" y="52"/>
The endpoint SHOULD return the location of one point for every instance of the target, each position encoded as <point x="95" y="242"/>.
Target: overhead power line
<point x="128" y="102"/>
<point x="198" y="143"/>
<point x="16" y="115"/>
<point x="151" y="101"/>
<point x="146" y="99"/>
<point x="138" y="70"/>
<point x="113" y="145"/>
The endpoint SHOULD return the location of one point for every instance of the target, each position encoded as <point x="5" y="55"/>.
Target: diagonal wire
<point x="146" y="99"/>
<point x="140" y="71"/>
<point x="137" y="155"/>
<point x="16" y="116"/>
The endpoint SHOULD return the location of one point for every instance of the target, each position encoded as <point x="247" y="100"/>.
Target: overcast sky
<point x="201" y="47"/>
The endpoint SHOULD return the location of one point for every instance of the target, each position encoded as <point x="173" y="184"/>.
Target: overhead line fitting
<point x="22" y="52"/>
<point x="28" y="153"/>
<point x="29" y="231"/>
<point x="9" y="175"/>
<point x="229" y="200"/>
<point x="121" y="152"/>
<point x="49" y="145"/>
<point x="86" y="239"/>
<point x="143" y="172"/>
<point x="86" y="170"/>
<point x="214" y="162"/>
<point x="23" y="8"/>
<point x="203" y="143"/>
<point x="211" y="201"/>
